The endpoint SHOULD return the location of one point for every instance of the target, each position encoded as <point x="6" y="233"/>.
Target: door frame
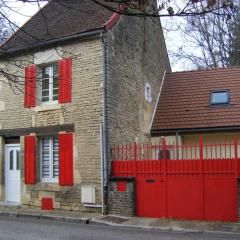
<point x="5" y="169"/>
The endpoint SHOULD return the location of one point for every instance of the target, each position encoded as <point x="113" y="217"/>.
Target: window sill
<point x="47" y="107"/>
<point x="49" y="181"/>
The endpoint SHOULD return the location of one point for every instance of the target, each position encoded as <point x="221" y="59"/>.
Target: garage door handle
<point x="150" y="180"/>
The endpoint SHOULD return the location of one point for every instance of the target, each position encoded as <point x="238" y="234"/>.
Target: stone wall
<point x="84" y="111"/>
<point x="136" y="55"/>
<point x="122" y="202"/>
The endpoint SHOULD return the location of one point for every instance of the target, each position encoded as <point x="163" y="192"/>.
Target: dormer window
<point x="220" y="97"/>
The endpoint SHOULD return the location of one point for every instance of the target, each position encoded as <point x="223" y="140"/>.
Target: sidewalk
<point x="170" y="224"/>
<point x="132" y="222"/>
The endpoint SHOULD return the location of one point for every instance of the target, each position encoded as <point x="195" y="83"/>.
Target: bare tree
<point x="234" y="55"/>
<point x="209" y="40"/>
<point x="136" y="8"/>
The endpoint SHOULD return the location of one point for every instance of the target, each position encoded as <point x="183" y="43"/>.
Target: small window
<point x="148" y="93"/>
<point x="49" y="77"/>
<point x="219" y="97"/>
<point x="49" y="159"/>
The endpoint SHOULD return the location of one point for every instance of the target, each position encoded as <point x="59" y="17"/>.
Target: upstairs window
<point x="49" y="83"/>
<point x="220" y="97"/>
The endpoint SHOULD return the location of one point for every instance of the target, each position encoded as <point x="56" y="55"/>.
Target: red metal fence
<point x="191" y="181"/>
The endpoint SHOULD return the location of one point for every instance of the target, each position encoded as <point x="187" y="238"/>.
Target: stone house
<point x="74" y="80"/>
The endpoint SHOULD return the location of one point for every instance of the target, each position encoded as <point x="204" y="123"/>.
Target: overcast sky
<point x="20" y="12"/>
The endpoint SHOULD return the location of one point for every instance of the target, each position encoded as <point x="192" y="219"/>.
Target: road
<point x="21" y="229"/>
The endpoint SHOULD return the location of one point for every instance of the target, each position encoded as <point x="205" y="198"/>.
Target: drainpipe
<point x="104" y="134"/>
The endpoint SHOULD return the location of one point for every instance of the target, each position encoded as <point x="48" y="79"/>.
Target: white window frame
<point x="220" y="91"/>
<point x="51" y="179"/>
<point x="51" y="101"/>
<point x="148" y="93"/>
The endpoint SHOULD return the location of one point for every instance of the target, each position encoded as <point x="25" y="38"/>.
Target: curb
<point x="165" y="229"/>
<point x="95" y="221"/>
<point x="45" y="217"/>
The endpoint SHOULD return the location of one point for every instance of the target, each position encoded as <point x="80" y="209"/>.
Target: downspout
<point x="104" y="134"/>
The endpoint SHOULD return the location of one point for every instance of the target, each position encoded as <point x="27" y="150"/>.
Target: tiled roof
<point x="184" y="101"/>
<point x="58" y="19"/>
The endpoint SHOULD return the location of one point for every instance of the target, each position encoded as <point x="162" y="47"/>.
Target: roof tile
<point x="185" y="100"/>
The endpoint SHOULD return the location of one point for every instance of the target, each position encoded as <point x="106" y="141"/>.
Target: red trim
<point x="121" y="186"/>
<point x="47" y="203"/>
<point x="65" y="159"/>
<point x="29" y="159"/>
<point x="29" y="93"/>
<point x="65" y="80"/>
<point x="113" y="19"/>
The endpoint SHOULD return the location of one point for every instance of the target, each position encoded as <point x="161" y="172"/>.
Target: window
<point x="219" y="97"/>
<point x="49" y="91"/>
<point x="148" y="93"/>
<point x="49" y="159"/>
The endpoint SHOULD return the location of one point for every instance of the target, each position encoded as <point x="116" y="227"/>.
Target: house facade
<point x="198" y="103"/>
<point x="190" y="169"/>
<point x="75" y="79"/>
<point x="194" y="103"/>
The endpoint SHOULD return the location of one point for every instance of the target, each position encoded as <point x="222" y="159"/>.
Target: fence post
<point x="236" y="156"/>
<point x="202" y="173"/>
<point x="135" y="151"/>
<point x="135" y="159"/>
<point x="164" y="147"/>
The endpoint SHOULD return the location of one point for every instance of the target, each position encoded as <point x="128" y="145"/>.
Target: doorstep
<point x="10" y="204"/>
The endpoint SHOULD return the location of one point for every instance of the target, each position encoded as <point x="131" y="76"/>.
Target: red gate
<point x="194" y="181"/>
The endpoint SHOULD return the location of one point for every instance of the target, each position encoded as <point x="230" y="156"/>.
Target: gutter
<point x="104" y="133"/>
<point x="194" y="130"/>
<point x="76" y="36"/>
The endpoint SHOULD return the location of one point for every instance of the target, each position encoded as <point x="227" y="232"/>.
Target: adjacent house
<point x="190" y="169"/>
<point x="75" y="79"/>
<point x="198" y="103"/>
<point x="191" y="103"/>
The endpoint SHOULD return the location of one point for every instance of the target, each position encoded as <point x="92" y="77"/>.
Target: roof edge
<point x="90" y="33"/>
<point x="111" y="21"/>
<point x="114" y="18"/>
<point x="194" y="130"/>
<point x="158" y="97"/>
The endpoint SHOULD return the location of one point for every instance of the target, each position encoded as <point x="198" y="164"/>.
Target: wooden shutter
<point x="29" y="159"/>
<point x="65" y="141"/>
<point x="64" y="80"/>
<point x="30" y="86"/>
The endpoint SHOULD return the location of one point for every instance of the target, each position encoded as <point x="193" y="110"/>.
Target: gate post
<point x="165" y="173"/>
<point x="202" y="173"/>
<point x="236" y="156"/>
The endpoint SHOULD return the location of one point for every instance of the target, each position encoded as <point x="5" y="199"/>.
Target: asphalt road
<point x="15" y="229"/>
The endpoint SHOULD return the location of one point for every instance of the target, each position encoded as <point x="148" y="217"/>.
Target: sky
<point x="20" y="12"/>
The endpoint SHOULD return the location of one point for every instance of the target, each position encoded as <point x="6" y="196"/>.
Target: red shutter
<point x="29" y="94"/>
<point x="65" y="141"/>
<point x="29" y="159"/>
<point x="65" y="80"/>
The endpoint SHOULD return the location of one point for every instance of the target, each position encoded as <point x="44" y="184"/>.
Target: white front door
<point x="12" y="173"/>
